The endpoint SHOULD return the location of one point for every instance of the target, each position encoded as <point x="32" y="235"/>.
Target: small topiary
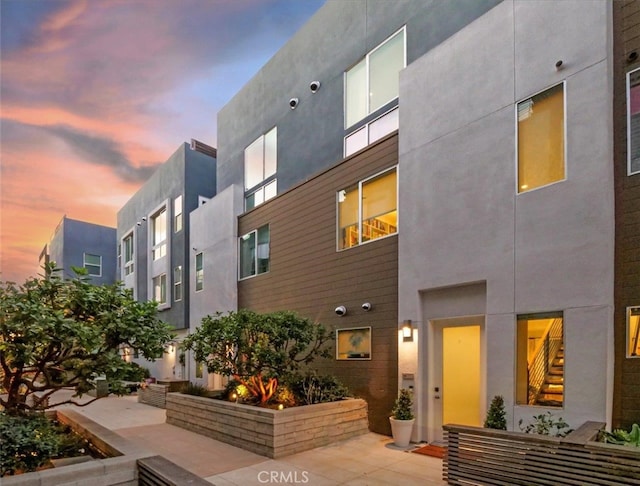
<point x="496" y="414"/>
<point x="402" y="408"/>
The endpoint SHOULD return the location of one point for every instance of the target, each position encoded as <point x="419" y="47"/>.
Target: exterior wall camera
<point x="341" y="310"/>
<point x="293" y="102"/>
<point x="314" y="86"/>
<point x="367" y="306"/>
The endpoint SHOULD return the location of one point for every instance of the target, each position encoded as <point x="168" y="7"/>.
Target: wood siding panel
<point x="308" y="275"/>
<point x="626" y="25"/>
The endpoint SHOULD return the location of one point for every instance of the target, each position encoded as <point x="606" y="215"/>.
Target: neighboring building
<point x="626" y="59"/>
<point x="502" y="232"/>
<point x="153" y="240"/>
<point x="85" y="245"/>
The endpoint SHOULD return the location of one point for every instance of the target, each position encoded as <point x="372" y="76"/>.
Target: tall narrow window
<point x="633" y="332"/>
<point x="540" y="360"/>
<point x="177" y="283"/>
<point x="177" y="214"/>
<point x="541" y="139"/>
<point x="127" y="244"/>
<point x="160" y="289"/>
<point x="93" y="264"/>
<point x="374" y="81"/>
<point x="369" y="210"/>
<point x="199" y="271"/>
<point x="254" y="252"/>
<point x="633" y="122"/>
<point x="159" y="227"/>
<point x="260" y="165"/>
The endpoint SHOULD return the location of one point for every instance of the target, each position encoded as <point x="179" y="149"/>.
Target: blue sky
<point x="94" y="94"/>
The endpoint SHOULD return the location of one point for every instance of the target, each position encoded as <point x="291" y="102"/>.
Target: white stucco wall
<point x="461" y="220"/>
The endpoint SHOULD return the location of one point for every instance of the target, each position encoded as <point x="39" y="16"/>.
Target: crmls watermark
<point x="283" y="477"/>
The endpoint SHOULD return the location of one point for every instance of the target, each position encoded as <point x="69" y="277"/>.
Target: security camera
<point x="293" y="102"/>
<point x="144" y="218"/>
<point x="314" y="86"/>
<point x="341" y="310"/>
<point x="366" y="306"/>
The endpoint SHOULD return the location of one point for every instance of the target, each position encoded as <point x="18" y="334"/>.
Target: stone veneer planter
<point x="271" y="433"/>
<point x="154" y="395"/>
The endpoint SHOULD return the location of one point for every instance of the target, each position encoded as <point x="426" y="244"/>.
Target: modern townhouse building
<point x="434" y="181"/>
<point x="153" y="241"/>
<point x="84" y="245"/>
<point x="626" y="62"/>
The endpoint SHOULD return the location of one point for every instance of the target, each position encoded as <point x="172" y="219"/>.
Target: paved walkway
<point x="371" y="459"/>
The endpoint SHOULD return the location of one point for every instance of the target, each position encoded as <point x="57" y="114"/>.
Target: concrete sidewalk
<point x="371" y="459"/>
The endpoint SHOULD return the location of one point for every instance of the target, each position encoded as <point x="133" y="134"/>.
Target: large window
<point x="260" y="165"/>
<point x="177" y="283"/>
<point x="541" y="139"/>
<point x="127" y="246"/>
<point x="374" y="81"/>
<point x="633" y="332"/>
<point x="254" y="252"/>
<point x="368" y="210"/>
<point x="93" y="264"/>
<point x="540" y="360"/>
<point x="160" y="289"/>
<point x="633" y="122"/>
<point x="159" y="228"/>
<point x="177" y="214"/>
<point x="199" y="271"/>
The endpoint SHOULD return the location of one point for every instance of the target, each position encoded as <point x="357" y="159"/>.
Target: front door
<point x="456" y="378"/>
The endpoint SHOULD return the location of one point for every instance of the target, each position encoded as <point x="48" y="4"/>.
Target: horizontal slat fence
<point x="477" y="456"/>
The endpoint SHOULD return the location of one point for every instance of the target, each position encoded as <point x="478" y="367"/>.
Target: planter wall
<point x="271" y="433"/>
<point x="492" y="457"/>
<point x="155" y="395"/>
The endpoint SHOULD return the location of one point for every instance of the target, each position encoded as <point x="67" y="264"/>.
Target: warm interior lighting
<point x="407" y="330"/>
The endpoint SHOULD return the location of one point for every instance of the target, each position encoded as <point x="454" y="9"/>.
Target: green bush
<point x="28" y="442"/>
<point x="311" y="388"/>
<point x="546" y="424"/>
<point x="496" y="414"/>
<point x="622" y="437"/>
<point x="402" y="409"/>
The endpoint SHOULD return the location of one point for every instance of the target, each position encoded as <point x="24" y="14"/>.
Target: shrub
<point x="402" y="408"/>
<point x="546" y="424"/>
<point x="496" y="414"/>
<point x="195" y="389"/>
<point x="622" y="437"/>
<point x="27" y="443"/>
<point x="312" y="388"/>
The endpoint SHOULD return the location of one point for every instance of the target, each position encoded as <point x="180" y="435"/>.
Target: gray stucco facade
<point x="75" y="243"/>
<point x="190" y="175"/>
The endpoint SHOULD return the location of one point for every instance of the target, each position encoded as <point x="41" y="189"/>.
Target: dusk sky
<point x="94" y="94"/>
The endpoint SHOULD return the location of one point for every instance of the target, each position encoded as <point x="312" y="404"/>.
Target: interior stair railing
<point x="540" y="362"/>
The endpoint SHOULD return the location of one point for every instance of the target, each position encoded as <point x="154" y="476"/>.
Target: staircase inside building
<point x="551" y="392"/>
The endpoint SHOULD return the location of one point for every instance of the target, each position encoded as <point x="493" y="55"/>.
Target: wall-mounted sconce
<point x="407" y="330"/>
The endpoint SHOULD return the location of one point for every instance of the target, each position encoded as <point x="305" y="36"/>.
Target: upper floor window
<point x="540" y="359"/>
<point x="633" y="332"/>
<point x="160" y="288"/>
<point x="541" y="147"/>
<point x="159" y="228"/>
<point x="254" y="252"/>
<point x="127" y="244"/>
<point x="177" y="214"/>
<point x="633" y="122"/>
<point x="199" y="271"/>
<point x="177" y="283"/>
<point x="93" y="264"/>
<point x="260" y="164"/>
<point x="371" y="132"/>
<point x="373" y="82"/>
<point x="368" y="210"/>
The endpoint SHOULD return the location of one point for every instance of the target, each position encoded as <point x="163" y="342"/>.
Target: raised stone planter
<point x="271" y="433"/>
<point x="152" y="394"/>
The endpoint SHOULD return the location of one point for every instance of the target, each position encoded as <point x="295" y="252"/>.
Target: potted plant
<point x="402" y="419"/>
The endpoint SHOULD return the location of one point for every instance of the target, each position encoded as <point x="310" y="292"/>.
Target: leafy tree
<point x="496" y="414"/>
<point x="58" y="334"/>
<point x="257" y="349"/>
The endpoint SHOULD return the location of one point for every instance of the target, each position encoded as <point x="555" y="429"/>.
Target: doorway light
<point x="407" y="330"/>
